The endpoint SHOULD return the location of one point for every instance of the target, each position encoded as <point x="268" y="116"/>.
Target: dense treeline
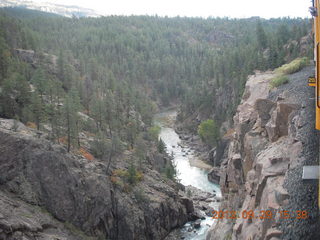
<point x="111" y="67"/>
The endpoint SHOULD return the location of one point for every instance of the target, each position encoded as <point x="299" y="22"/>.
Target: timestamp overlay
<point x="262" y="214"/>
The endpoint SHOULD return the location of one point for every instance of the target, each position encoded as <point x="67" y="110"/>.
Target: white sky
<point x="196" y="8"/>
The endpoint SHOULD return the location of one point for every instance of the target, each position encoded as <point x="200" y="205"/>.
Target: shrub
<point x="153" y="132"/>
<point x="120" y="173"/>
<point x="132" y="175"/>
<point x="86" y="154"/>
<point x="122" y="177"/>
<point x="279" y="80"/>
<point x="114" y="179"/>
<point x="31" y="125"/>
<point x="139" y="176"/>
<point x="292" y="67"/>
<point x="209" y="132"/>
<point x="161" y="146"/>
<point x="170" y="171"/>
<point x="117" y="181"/>
<point x="100" y="147"/>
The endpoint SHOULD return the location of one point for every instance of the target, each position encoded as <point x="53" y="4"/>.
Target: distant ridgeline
<point x="115" y="70"/>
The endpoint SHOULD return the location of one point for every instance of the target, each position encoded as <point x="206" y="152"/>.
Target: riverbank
<point x="203" y="157"/>
<point x="193" y="174"/>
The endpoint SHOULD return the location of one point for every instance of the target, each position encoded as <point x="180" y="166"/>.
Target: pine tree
<point x="72" y="120"/>
<point x="4" y="59"/>
<point x="15" y="95"/>
<point x="40" y="82"/>
<point x="37" y="109"/>
<point x="261" y="36"/>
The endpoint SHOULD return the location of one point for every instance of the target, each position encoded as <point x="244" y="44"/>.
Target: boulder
<point x="275" y="166"/>
<point x="214" y="175"/>
<point x="197" y="214"/>
<point x="253" y="144"/>
<point x="272" y="131"/>
<point x="197" y="224"/>
<point x="263" y="107"/>
<point x="187" y="202"/>
<point x="209" y="212"/>
<point x="273" y="233"/>
<point x="279" y="122"/>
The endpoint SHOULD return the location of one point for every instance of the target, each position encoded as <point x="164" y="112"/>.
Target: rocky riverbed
<point x="203" y="157"/>
<point x="204" y="203"/>
<point x="192" y="172"/>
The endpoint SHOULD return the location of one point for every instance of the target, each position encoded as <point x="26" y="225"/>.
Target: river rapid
<point x="186" y="173"/>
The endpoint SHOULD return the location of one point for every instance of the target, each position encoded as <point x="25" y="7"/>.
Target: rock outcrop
<point x="25" y="55"/>
<point x="72" y="191"/>
<point x="19" y="220"/>
<point x="273" y="132"/>
<point x="214" y="175"/>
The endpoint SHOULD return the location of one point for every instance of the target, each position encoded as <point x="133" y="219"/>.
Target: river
<point x="186" y="173"/>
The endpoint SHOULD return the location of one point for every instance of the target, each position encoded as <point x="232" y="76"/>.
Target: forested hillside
<point x="116" y="70"/>
<point x="87" y="162"/>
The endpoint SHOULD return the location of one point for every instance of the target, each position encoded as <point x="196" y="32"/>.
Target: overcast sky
<point x="196" y="8"/>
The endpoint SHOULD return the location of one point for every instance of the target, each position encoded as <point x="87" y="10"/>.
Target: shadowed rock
<point x="79" y="192"/>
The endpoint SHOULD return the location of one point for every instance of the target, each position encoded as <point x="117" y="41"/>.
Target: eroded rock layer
<point x="273" y="138"/>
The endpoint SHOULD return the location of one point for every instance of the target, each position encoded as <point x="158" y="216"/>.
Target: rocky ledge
<point x="273" y="138"/>
<point x="47" y="193"/>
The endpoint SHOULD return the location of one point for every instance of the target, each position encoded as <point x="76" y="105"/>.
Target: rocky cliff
<point x="47" y="193"/>
<point x="273" y="138"/>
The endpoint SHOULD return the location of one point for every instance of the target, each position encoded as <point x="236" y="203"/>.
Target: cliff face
<point x="273" y="138"/>
<point x="44" y="191"/>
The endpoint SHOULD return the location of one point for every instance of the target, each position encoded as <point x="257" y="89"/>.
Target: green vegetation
<point x="279" y="80"/>
<point x="154" y="132"/>
<point x="133" y="176"/>
<point x="161" y="146"/>
<point x="294" y="66"/>
<point x="101" y="146"/>
<point x="209" y="132"/>
<point x="170" y="171"/>
<point x="122" y="177"/>
<point x="102" y="77"/>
